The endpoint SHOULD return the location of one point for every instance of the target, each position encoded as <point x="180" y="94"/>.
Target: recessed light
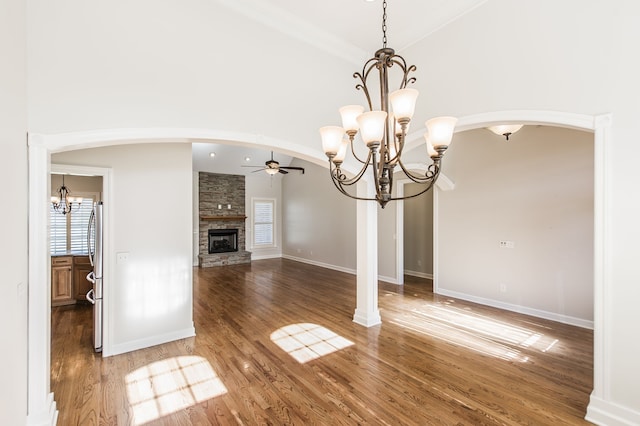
<point x="247" y="159"/>
<point x="212" y="154"/>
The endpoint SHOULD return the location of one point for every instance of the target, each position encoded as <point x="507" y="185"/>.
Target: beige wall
<point x="151" y="292"/>
<point x="535" y="190"/>
<point x="318" y="221"/>
<point x="76" y="184"/>
<point x="13" y="227"/>
<point x="418" y="232"/>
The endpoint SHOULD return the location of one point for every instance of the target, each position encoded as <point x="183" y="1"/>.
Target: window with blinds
<point x="263" y="226"/>
<point x="69" y="232"/>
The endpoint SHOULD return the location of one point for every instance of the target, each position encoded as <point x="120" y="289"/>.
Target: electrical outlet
<point x="503" y="288"/>
<point x="122" y="257"/>
<point x="507" y="244"/>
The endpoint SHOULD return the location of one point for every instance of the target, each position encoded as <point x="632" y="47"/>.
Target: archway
<point x="41" y="405"/>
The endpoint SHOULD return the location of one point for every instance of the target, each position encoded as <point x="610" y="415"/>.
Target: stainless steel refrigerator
<point x="94" y="243"/>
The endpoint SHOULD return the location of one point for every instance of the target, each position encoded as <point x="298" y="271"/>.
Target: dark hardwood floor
<point x="276" y="345"/>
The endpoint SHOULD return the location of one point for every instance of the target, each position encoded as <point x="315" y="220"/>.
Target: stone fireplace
<point x="222" y="220"/>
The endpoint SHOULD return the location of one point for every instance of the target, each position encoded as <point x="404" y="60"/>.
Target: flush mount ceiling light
<point x="63" y="203"/>
<point x="505" y="130"/>
<point x="382" y="131"/>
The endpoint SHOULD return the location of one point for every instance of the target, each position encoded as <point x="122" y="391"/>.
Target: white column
<point x="41" y="405"/>
<point x="367" y="312"/>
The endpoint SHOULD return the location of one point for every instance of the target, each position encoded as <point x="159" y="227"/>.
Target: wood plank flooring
<point x="433" y="361"/>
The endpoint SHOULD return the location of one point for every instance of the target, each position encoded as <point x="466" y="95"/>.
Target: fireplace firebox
<point x="223" y="240"/>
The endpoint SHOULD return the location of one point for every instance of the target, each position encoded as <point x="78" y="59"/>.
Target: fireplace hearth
<point x="223" y="240"/>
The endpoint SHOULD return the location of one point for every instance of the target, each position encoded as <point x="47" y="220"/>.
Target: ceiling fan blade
<point x="260" y="167"/>
<point x="259" y="170"/>
<point x="284" y="172"/>
<point x="293" y="168"/>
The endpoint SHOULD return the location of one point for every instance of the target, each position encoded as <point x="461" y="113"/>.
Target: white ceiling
<point x="348" y="29"/>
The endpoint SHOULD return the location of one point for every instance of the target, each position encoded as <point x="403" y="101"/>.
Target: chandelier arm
<point x="406" y="70"/>
<point x="342" y="178"/>
<point x="366" y="69"/>
<point x="433" y="170"/>
<point x="353" y="152"/>
<point x="398" y="143"/>
<point x="415" y="195"/>
<point x="338" y="184"/>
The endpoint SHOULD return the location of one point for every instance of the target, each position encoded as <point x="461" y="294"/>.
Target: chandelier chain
<point x="384" y="23"/>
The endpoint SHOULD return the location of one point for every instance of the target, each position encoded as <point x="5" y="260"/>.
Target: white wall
<point x="13" y="227"/>
<point x="568" y="56"/>
<point x="319" y="223"/>
<point x="572" y="56"/>
<point x="261" y="185"/>
<point x="536" y="191"/>
<point x="150" y="294"/>
<point x="418" y="232"/>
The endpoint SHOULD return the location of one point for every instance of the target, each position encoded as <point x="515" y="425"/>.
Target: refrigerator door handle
<point x="90" y="297"/>
<point x="91" y="277"/>
<point x="89" y="226"/>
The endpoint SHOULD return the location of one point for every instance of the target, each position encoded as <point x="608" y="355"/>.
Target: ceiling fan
<point x="272" y="167"/>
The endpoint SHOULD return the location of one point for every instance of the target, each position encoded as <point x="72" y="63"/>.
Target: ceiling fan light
<point x="349" y="114"/>
<point x="272" y="171"/>
<point x="441" y="130"/>
<point x="331" y="139"/>
<point x="372" y="126"/>
<point x="403" y="102"/>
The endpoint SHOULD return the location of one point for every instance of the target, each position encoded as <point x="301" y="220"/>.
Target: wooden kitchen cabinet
<point x="62" y="281"/>
<point x="81" y="267"/>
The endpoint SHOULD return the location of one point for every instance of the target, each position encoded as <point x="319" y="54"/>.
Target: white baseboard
<point x="418" y="274"/>
<point x="265" y="256"/>
<point x="602" y="412"/>
<point x="47" y="417"/>
<point x="151" y="341"/>
<point x="390" y="280"/>
<point x="565" y="319"/>
<point x="321" y="264"/>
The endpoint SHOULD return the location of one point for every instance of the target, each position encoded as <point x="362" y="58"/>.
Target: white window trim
<point x="273" y="202"/>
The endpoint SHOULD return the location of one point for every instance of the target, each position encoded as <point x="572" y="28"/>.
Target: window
<point x="69" y="232"/>
<point x="263" y="226"/>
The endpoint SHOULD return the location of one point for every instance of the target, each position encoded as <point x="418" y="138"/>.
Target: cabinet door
<point x="81" y="267"/>
<point x="62" y="284"/>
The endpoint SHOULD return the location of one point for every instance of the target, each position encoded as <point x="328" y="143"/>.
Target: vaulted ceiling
<point x="348" y="29"/>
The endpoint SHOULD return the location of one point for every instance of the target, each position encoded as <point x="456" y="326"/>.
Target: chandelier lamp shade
<point x="383" y="130"/>
<point x="63" y="202"/>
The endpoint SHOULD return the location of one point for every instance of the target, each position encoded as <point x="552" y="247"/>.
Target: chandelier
<point x="384" y="131"/>
<point x="63" y="203"/>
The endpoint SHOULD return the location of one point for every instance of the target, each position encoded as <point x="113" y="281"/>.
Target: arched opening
<point x="40" y="400"/>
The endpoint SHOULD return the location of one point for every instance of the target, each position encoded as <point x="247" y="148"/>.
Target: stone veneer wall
<point x="217" y="189"/>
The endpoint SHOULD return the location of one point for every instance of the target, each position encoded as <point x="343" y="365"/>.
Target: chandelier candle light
<point x="63" y="203"/>
<point x="384" y="132"/>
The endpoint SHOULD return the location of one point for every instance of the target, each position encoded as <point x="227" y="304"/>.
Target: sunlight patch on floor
<point x="170" y="385"/>
<point x="473" y="331"/>
<point x="305" y="341"/>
